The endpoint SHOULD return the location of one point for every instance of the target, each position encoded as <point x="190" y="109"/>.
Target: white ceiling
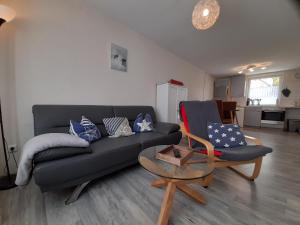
<point x="248" y="31"/>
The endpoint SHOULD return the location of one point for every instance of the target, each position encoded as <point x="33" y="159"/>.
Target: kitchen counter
<point x="253" y="115"/>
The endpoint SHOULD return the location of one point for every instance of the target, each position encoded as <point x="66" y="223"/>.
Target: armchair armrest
<point x="257" y="141"/>
<point x="166" y="128"/>
<point x="207" y="144"/>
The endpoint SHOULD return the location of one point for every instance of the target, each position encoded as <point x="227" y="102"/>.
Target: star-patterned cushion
<point x="225" y="135"/>
<point x="143" y="124"/>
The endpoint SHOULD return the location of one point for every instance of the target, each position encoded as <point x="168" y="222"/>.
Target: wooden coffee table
<point x="176" y="177"/>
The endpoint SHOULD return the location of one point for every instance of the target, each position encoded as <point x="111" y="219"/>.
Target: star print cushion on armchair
<point x="225" y="135"/>
<point x="143" y="124"/>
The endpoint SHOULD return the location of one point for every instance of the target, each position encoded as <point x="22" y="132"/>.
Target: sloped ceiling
<point x="248" y="31"/>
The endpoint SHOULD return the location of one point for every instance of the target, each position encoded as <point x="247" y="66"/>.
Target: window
<point x="265" y="88"/>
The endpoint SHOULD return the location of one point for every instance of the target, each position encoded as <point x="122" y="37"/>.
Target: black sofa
<point x="60" y="168"/>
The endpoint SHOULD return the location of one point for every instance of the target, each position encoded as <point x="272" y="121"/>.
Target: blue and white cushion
<point x="143" y="124"/>
<point x="117" y="126"/>
<point x="76" y="128"/>
<point x="85" y="130"/>
<point x="225" y="135"/>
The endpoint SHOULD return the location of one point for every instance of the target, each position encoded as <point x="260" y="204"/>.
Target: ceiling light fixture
<point x="253" y="67"/>
<point x="205" y="14"/>
<point x="6" y="14"/>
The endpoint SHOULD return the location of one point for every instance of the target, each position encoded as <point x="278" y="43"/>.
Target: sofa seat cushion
<point x="59" y="153"/>
<point x="151" y="139"/>
<point x="146" y="140"/>
<point x="109" y="143"/>
<point x="166" y="128"/>
<point x="143" y="139"/>
<point x="243" y="153"/>
<point x="106" y="153"/>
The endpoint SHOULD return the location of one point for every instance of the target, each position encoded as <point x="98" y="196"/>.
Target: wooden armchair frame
<point x="218" y="163"/>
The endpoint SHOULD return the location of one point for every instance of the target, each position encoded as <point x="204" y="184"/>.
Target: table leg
<point x="231" y="117"/>
<point x="167" y="204"/>
<point x="236" y="118"/>
<point x="159" y="183"/>
<point x="191" y="193"/>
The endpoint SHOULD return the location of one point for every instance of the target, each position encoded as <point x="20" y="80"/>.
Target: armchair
<point x="195" y="116"/>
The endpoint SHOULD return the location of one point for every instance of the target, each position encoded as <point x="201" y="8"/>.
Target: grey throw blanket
<point x="41" y="143"/>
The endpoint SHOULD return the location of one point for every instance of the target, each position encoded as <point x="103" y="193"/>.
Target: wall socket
<point x="12" y="148"/>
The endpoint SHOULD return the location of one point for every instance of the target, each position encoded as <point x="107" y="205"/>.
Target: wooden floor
<point x="126" y="198"/>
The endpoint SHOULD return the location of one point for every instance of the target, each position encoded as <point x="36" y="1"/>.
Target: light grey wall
<point x="290" y="81"/>
<point x="61" y="56"/>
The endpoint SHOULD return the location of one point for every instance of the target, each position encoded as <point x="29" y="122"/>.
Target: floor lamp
<point x="6" y="15"/>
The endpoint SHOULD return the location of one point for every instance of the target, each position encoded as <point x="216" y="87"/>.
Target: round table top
<point x="196" y="167"/>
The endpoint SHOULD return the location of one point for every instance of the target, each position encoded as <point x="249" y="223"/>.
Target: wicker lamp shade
<point x="205" y="14"/>
<point x="7" y="14"/>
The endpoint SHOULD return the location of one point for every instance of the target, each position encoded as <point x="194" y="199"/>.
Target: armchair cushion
<point x="243" y="153"/>
<point x="166" y="128"/>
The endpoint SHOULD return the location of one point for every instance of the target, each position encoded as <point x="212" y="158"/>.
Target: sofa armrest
<point x="166" y="128"/>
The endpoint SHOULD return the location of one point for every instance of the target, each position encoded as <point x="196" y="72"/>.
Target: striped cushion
<point x="117" y="126"/>
<point x="112" y="124"/>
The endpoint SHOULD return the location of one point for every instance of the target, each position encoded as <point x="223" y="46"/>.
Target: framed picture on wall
<point x="118" y="58"/>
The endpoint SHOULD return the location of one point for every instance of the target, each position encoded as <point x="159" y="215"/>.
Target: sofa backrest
<point x="131" y="112"/>
<point x="56" y="118"/>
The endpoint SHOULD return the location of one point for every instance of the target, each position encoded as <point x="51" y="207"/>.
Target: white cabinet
<point x="231" y="87"/>
<point x="167" y="102"/>
<point x="221" y="88"/>
<point x="238" y="86"/>
<point x="253" y="116"/>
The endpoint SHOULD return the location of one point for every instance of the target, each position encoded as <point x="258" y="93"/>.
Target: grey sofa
<point x="67" y="167"/>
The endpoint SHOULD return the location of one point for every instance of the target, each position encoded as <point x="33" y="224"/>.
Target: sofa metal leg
<point x="76" y="193"/>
